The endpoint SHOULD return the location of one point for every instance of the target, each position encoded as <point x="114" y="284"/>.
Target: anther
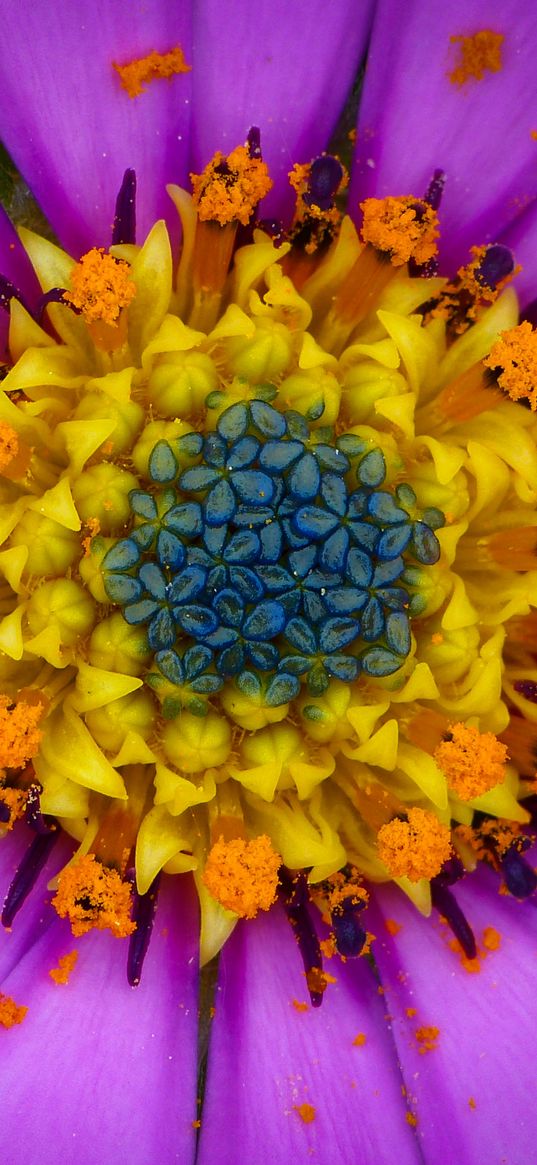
<point x="520" y="877"/>
<point x="143" y="915"/>
<point x="295" y="900"/>
<point x="27" y="873"/>
<point x="124" y="229"/>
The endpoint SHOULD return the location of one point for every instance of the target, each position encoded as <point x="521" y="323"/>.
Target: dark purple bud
<point x="497" y="263"/>
<point x="124" y="229"/>
<point x="325" y="176"/>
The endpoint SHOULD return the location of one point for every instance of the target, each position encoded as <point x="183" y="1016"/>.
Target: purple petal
<point x="70" y="127"/>
<point x="474" y="1092"/>
<point x="413" y="119"/>
<point x="99" y="1070"/>
<point x="15" y="267"/>
<point x="521" y="237"/>
<point x="286" y="68"/>
<point x="35" y="915"/>
<point x="266" y="1059"/>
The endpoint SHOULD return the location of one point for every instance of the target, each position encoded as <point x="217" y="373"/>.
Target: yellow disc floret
<point x="472" y="761"/>
<point x="100" y="287"/>
<point x="416" y="848"/>
<point x="403" y="228"/>
<point x="92" y="896"/>
<point x="229" y="188"/>
<point x="243" y="875"/>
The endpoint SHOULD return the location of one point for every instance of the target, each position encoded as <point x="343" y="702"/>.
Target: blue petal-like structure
<point x="271" y="553"/>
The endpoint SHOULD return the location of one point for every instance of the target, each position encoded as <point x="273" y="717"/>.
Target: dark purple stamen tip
<point x="144" y="916"/>
<point x="435" y="189"/>
<point x="446" y="904"/>
<point x="350" y="936"/>
<point x="55" y="295"/>
<point x="325" y="176"/>
<point x="253" y="142"/>
<point x="32" y="811"/>
<point x="497" y="263"/>
<point x="29" y="869"/>
<point x="527" y="689"/>
<point x="124" y="229"/>
<point x="5" y="812"/>
<point x="295" y="901"/>
<point x="520" y="878"/>
<point x="9" y="291"/>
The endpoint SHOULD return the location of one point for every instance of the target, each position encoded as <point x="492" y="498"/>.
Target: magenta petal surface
<point x="521" y="237"/>
<point x="98" y="1071"/>
<point x="70" y="127"/>
<point x="14" y="266"/>
<point x="475" y="1093"/>
<point x="266" y="1059"/>
<point x="36" y="914"/>
<point x="285" y="67"/>
<point x="413" y="119"/>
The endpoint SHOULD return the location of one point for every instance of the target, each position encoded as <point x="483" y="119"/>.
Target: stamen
<point x="433" y="194"/>
<point x="446" y="904"/>
<point x="400" y="228"/>
<point x="9" y="291"/>
<point x="136" y="74"/>
<point x="11" y="1013"/>
<point x="19" y="735"/>
<point x="477" y="284"/>
<point x="295" y="900"/>
<point x="243" y="875"/>
<point x="144" y="917"/>
<point x="316" y="217"/>
<point x="416" y="848"/>
<point x="124" y="229"/>
<point x="520" y="877"/>
<point x="92" y="896"/>
<point x="229" y="188"/>
<point x="32" y="811"/>
<point x="471" y="394"/>
<point x="346" y="898"/>
<point x="29" y="869"/>
<point x="100" y="287"/>
<point x="477" y="54"/>
<point x="514" y="360"/>
<point x="473" y="762"/>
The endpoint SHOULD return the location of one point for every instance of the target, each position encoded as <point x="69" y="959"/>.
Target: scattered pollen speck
<point x="300" y="1006"/>
<point x="471" y="1102"/>
<point x="392" y="926"/>
<point x="476" y="55"/>
<point x="11" y="1013"/>
<point x="491" y="938"/>
<point x="437" y="638"/>
<point x="196" y="1124"/>
<point x="136" y="74"/>
<point x="533" y="134"/>
<point x="411" y="1011"/>
<point x="306" y="1112"/>
<point x="427" y="1038"/>
<point x="359" y="1040"/>
<point x="66" y="964"/>
<point x="411" y="1119"/>
<point x="318" y="980"/>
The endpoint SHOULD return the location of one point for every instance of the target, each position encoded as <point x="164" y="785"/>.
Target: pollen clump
<point x="66" y="964"/>
<point x="136" y="74"/>
<point x="230" y="187"/>
<point x="515" y="355"/>
<point x="403" y="228"/>
<point x="477" y="54"/>
<point x="416" y="848"/>
<point x="9" y="445"/>
<point x="92" y="896"/>
<point x="100" y="287"/>
<point x="306" y="1112"/>
<point x="20" y="736"/>
<point x="472" y="761"/>
<point x="11" y="1013"/>
<point x="243" y="875"/>
<point x="427" y="1038"/>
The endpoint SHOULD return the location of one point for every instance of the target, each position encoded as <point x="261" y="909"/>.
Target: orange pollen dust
<point x="135" y="75"/>
<point x="9" y="445"/>
<point x="92" y="896"/>
<point x="473" y="762"/>
<point x="230" y="187"/>
<point x="427" y="1038"/>
<point x="100" y="287"/>
<point x="11" y="1013"/>
<point x="402" y="228"/>
<point x="416" y="848"/>
<point x="243" y="875"/>
<point x="515" y="353"/>
<point x="476" y="55"/>
<point x="306" y="1112"/>
<point x="321" y="224"/>
<point x="15" y="800"/>
<point x="66" y="964"/>
<point x="20" y="736"/>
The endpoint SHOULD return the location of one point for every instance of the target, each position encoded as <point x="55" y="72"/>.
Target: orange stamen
<point x="402" y="228"/>
<point x="66" y="964"/>
<point x="138" y="73"/>
<point x="476" y="54"/>
<point x="515" y="353"/>
<point x="416" y="848"/>
<point x="243" y="875"/>
<point x="19" y="735"/>
<point x="473" y="761"/>
<point x="100" y="287"/>
<point x="11" y="1013"/>
<point x="229" y="188"/>
<point x="92" y="896"/>
<point x="468" y="396"/>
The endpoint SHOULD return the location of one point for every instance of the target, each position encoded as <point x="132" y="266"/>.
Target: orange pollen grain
<point x="491" y="938"/>
<point x="515" y="353"/>
<point x="66" y="964"/>
<point x="476" y="54"/>
<point x="11" y="1013"/>
<point x="392" y="926"/>
<point x="473" y="762"/>
<point x="359" y="1040"/>
<point x="402" y="228"/>
<point x="15" y="800"/>
<point x="9" y="445"/>
<point x="306" y="1112"/>
<point x="20" y="736"/>
<point x="318" y="980"/>
<point x="411" y="1119"/>
<point x="100" y="287"/>
<point x="299" y="1005"/>
<point x="416" y="848"/>
<point x="92" y="896"/>
<point x="136" y="74"/>
<point x="230" y="187"/>
<point x="427" y="1037"/>
<point x="243" y="875"/>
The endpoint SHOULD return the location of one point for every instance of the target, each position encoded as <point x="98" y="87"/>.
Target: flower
<point x="268" y="568"/>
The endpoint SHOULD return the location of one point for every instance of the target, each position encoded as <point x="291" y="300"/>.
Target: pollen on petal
<point x="136" y="74"/>
<point x="415" y="848"/>
<point x="427" y="1038"/>
<point x="20" y="736"/>
<point x="306" y="1112"/>
<point x="92" y="896"/>
<point x="514" y="355"/>
<point x="100" y="287"/>
<point x="230" y="187"/>
<point x="476" y="55"/>
<point x="402" y="228"/>
<point x="243" y="875"/>
<point x="66" y="963"/>
<point x="473" y="761"/>
<point x="11" y="1013"/>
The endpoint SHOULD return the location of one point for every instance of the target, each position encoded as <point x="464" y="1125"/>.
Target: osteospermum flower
<point x="267" y="632"/>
